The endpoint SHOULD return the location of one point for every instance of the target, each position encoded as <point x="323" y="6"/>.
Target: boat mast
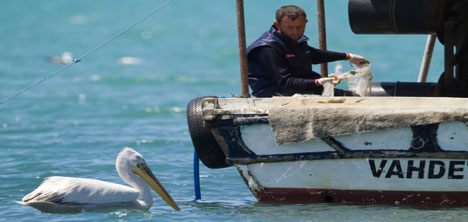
<point x="242" y="48"/>
<point x="322" y="34"/>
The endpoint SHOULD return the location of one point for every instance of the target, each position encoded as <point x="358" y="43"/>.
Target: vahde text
<point x="430" y="169"/>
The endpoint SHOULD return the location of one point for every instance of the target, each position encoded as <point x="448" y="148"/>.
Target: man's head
<point x="291" y="21"/>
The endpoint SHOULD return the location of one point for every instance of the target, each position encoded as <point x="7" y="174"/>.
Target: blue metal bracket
<point x="196" y="175"/>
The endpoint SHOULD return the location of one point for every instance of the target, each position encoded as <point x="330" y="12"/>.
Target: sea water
<point x="134" y="91"/>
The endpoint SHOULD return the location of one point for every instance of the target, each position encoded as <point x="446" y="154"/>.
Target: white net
<point x="328" y="89"/>
<point x="359" y="80"/>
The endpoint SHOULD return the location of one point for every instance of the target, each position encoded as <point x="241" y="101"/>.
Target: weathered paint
<point x="420" y="165"/>
<point x="360" y="181"/>
<point x="259" y="138"/>
<point x="453" y="136"/>
<point x="365" y="174"/>
<point x="303" y="195"/>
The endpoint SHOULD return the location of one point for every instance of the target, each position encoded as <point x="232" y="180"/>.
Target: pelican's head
<point x="135" y="163"/>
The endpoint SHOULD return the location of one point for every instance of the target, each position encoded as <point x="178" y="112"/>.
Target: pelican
<point x="68" y="194"/>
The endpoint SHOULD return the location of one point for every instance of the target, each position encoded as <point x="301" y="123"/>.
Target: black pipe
<point x="394" y="16"/>
<point x="416" y="89"/>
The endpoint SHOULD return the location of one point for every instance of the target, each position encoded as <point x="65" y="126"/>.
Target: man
<point x="280" y="61"/>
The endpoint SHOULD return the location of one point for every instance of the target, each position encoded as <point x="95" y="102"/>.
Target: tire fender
<point x="208" y="149"/>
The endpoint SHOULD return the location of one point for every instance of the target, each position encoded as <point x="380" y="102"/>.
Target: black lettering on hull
<point x="436" y="165"/>
<point x="453" y="169"/>
<point x="418" y="169"/>
<point x="377" y="173"/>
<point x="412" y="168"/>
<point x="395" y="170"/>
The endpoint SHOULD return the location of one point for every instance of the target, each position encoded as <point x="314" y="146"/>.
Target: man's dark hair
<point x="293" y="12"/>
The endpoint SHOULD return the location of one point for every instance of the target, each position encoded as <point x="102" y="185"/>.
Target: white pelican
<point x="67" y="194"/>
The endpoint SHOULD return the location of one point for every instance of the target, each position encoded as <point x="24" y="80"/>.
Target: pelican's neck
<point x="145" y="199"/>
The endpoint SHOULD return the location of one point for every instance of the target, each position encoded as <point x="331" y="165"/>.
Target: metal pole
<point x="448" y="51"/>
<point x="196" y="175"/>
<point x="426" y="62"/>
<point x="322" y="34"/>
<point x="242" y="48"/>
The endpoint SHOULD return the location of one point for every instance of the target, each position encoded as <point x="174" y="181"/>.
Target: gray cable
<point x="86" y="54"/>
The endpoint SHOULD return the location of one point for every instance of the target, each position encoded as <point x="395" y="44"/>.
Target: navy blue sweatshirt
<point x="279" y="66"/>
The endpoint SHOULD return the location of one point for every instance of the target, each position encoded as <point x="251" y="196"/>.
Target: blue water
<point x="75" y="123"/>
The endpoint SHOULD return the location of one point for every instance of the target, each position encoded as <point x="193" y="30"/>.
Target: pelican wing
<point x="69" y="190"/>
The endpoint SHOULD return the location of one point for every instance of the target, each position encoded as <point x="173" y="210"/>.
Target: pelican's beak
<point x="147" y="175"/>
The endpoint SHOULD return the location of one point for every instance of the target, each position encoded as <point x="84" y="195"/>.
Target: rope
<point x="87" y="54"/>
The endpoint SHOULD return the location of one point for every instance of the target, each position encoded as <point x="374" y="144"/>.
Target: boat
<point x="402" y="143"/>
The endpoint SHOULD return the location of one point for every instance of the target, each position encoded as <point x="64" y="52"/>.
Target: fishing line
<point x="87" y="54"/>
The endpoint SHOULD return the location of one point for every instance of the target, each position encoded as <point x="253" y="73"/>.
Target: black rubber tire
<point x="208" y="149"/>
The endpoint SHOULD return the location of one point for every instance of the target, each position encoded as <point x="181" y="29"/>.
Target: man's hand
<point x="357" y="59"/>
<point x="332" y="79"/>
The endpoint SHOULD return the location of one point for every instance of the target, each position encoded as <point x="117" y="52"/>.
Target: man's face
<point x="293" y="29"/>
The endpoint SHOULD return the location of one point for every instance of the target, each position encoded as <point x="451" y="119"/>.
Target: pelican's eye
<point x="141" y="163"/>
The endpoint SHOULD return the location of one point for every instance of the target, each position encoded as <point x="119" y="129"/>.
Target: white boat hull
<point x="417" y="165"/>
<point x="423" y="181"/>
<point x="393" y="181"/>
